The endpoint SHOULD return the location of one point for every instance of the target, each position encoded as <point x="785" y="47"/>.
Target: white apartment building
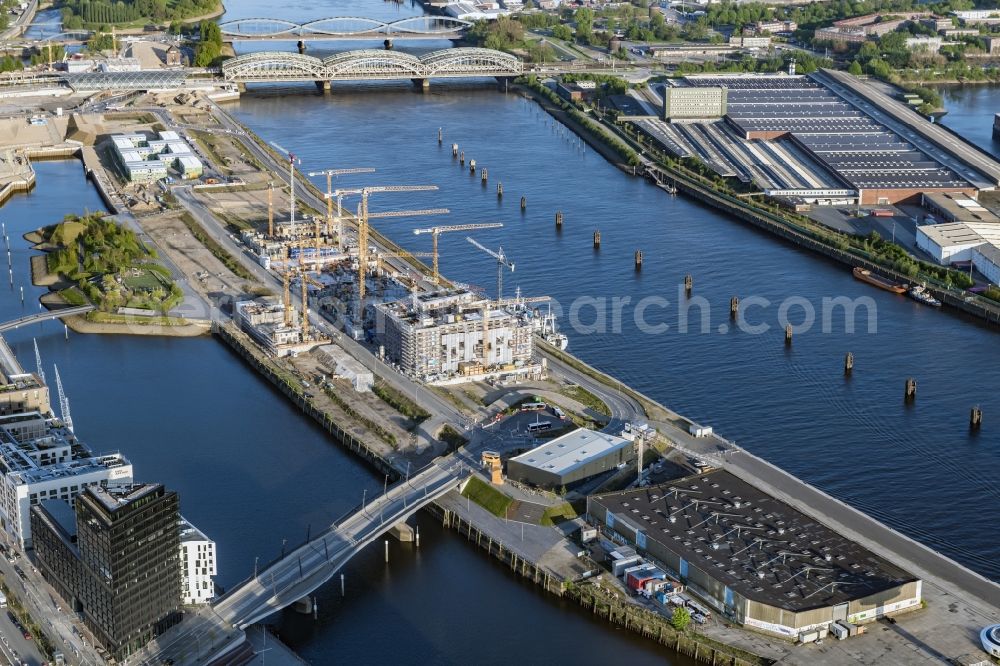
<point x="198" y="565"/>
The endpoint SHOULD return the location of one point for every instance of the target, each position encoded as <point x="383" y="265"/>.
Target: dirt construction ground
<point x="207" y="274"/>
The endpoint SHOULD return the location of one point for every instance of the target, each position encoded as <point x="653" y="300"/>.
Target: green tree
<point x="855" y="68"/>
<point x="562" y="32"/>
<point x="584" y="18"/>
<point x="681" y="618"/>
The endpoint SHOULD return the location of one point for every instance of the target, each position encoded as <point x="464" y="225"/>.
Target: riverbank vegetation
<point x="78" y="14"/>
<point x="401" y="403"/>
<point x="628" y="155"/>
<point x="107" y="265"/>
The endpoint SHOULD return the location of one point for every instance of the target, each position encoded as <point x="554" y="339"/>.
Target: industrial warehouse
<point x="570" y="458"/>
<point x="826" y="138"/>
<point x="760" y="562"/>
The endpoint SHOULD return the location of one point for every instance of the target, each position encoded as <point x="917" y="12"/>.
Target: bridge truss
<point x="368" y="64"/>
<point x="345" y="27"/>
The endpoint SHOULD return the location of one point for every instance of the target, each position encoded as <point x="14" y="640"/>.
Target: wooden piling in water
<point x="597" y="239"/>
<point x="638" y="260"/>
<point x="472" y="166"/>
<point x="688" y="284"/>
<point x="734" y="307"/>
<point x="910" y="390"/>
<point x="559" y="219"/>
<point x="454" y="150"/>
<point x="848" y="363"/>
<point x="499" y="190"/>
<point x="483" y="176"/>
<point x="788" y="334"/>
<point x="524" y="202"/>
<point x="461" y="158"/>
<point x="975" y="418"/>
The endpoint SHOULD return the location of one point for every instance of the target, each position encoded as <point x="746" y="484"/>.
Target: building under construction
<point x="438" y="336"/>
<point x="274" y="327"/>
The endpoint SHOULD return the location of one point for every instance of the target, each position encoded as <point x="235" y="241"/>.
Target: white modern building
<point x="39" y="460"/>
<point x="146" y="161"/>
<point x="40" y="457"/>
<point x="198" y="565"/>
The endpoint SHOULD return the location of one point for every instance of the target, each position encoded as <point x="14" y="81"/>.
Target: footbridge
<point x="297" y="574"/>
<point x="370" y="64"/>
<point x="344" y="28"/>
<point x="44" y="316"/>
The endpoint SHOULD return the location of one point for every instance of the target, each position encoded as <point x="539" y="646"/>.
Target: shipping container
<point x="619" y="567"/>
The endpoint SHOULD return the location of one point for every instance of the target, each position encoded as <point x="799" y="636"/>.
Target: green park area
<point x="99" y="261"/>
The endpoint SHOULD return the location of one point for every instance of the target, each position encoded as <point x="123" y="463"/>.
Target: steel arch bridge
<point x="370" y="64"/>
<point x="344" y="27"/>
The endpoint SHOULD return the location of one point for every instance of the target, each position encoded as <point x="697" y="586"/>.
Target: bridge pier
<point x="423" y="84"/>
<point x="324" y="86"/>
<point x="503" y="82"/>
<point x="303" y="606"/>
<point x="402" y="532"/>
<point x="387" y="44"/>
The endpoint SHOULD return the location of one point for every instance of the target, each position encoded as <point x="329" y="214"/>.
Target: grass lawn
<point x="586" y="398"/>
<point x="558" y="514"/>
<point x="487" y="497"/>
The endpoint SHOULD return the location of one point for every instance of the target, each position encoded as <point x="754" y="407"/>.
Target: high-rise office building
<point x="118" y="564"/>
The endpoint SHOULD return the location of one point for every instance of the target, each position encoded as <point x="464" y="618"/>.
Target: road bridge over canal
<point x="44" y="316"/>
<point x="300" y="572"/>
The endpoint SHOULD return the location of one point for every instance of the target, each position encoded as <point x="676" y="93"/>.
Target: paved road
<point x="48" y="612"/>
<point x="17" y="28"/>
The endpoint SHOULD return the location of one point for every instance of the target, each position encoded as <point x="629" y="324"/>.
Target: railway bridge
<point x="349" y="28"/>
<point x="370" y="64"/>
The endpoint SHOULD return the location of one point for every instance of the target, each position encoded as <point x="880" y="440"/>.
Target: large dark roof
<point x="760" y="547"/>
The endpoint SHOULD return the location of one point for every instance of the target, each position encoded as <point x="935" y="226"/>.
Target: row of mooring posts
<point x="910" y="387"/>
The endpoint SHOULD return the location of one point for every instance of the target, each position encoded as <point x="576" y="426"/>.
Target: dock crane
<point x="436" y="231"/>
<point x="330" y="173"/>
<point x="502" y="262"/>
<point x="291" y="180"/>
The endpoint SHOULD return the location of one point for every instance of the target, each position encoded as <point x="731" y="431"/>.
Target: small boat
<point x="866" y="275"/>
<point x="550" y="334"/>
<point x="921" y="295"/>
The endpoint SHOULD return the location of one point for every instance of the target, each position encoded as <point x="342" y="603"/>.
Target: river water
<point x="251" y="471"/>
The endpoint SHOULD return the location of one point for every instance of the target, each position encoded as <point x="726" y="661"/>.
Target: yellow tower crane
<point x="330" y="173"/>
<point x="286" y="296"/>
<point x="364" y="216"/>
<point x="436" y="231"/>
<point x="305" y="281"/>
